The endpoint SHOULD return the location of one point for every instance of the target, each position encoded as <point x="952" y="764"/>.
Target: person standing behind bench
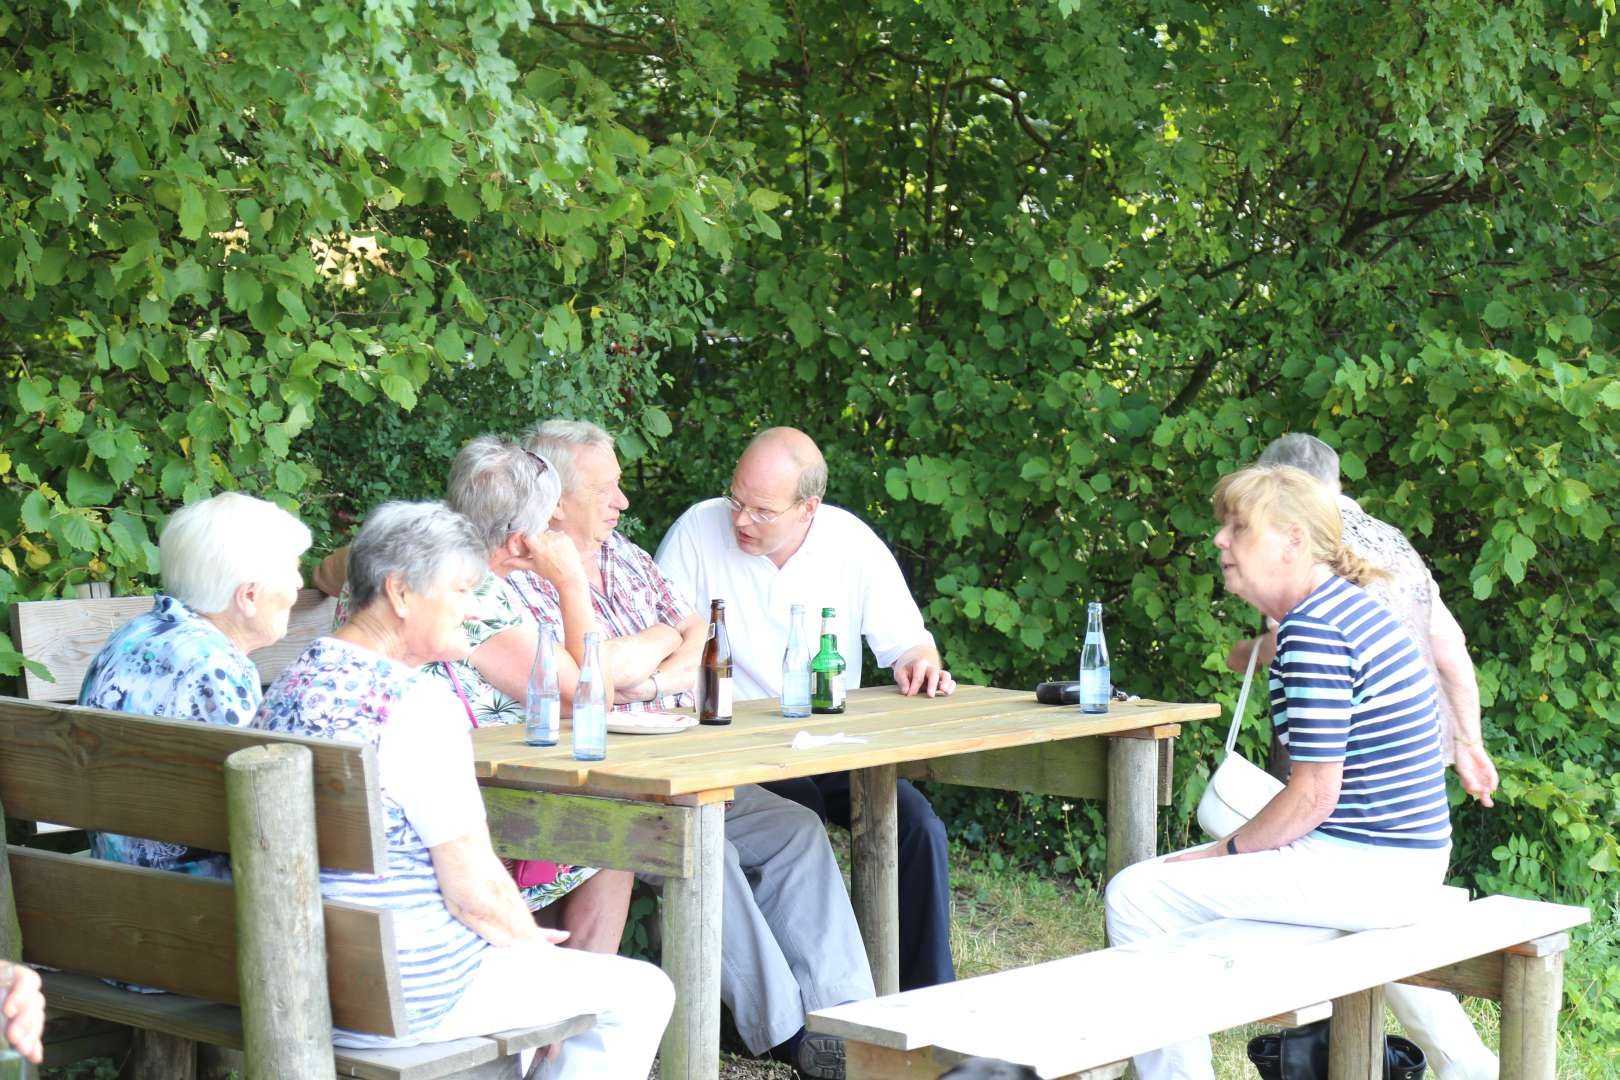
<point x="472" y="960"/>
<point x="771" y="542"/>
<point x="230" y="577"/>
<point x="789" y="941"/>
<point x="1361" y="835"/>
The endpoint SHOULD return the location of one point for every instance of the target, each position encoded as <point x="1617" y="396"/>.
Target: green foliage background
<point x="1034" y="275"/>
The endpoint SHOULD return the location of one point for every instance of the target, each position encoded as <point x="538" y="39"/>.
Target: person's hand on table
<point x="24" y="1010"/>
<point x="920" y="671"/>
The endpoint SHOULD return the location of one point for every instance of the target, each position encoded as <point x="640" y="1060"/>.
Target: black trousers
<point x="925" y="875"/>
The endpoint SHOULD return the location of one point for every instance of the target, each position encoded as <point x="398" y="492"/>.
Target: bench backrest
<point x="164" y="780"/>
<point x="65" y="635"/>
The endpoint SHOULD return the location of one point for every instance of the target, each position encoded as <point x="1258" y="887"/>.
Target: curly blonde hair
<point x="1281" y="496"/>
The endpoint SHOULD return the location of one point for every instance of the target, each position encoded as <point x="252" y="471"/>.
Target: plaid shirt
<point x="635" y="595"/>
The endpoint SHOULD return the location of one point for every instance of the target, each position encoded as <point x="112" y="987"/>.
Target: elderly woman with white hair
<point x="473" y="961"/>
<point x="509" y="495"/>
<point x="230" y="577"/>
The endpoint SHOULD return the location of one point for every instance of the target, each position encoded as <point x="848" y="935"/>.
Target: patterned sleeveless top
<point x="341" y="692"/>
<point x="1405" y="593"/>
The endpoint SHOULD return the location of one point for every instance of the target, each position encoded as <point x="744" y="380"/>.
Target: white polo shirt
<point x="841" y="564"/>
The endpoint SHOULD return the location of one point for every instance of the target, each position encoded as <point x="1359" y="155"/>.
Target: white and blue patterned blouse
<point x="170" y="662"/>
<point x="338" y="691"/>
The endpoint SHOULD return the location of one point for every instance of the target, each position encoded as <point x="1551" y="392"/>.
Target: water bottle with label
<point x="542" y="709"/>
<point x="590" y="704"/>
<point x="796" y="668"/>
<point x="1095" y="683"/>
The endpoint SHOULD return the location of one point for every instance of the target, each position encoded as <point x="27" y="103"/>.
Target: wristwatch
<point x="1231" y="844"/>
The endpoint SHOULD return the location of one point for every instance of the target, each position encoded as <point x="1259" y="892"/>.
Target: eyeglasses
<point x="758" y="517"/>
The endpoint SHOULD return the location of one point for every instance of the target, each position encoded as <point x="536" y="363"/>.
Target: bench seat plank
<point x="140" y="776"/>
<point x="1156" y="992"/>
<point x="178" y="932"/>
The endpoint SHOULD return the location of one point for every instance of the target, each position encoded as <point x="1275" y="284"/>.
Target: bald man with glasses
<point x="771" y="542"/>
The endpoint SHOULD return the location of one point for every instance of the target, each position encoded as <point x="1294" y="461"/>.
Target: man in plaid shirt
<point x="785" y="909"/>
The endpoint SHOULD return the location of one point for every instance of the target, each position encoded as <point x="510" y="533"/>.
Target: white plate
<point x="649" y="722"/>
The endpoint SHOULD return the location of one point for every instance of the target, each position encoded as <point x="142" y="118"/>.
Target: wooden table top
<point x="756" y="746"/>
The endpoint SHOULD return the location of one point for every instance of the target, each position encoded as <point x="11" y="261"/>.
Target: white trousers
<point x="1435" y="1021"/>
<point x="537" y="982"/>
<point x="1312" y="882"/>
<point x="789" y="943"/>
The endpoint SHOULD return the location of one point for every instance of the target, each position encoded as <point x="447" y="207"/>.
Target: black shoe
<point x="819" y="1057"/>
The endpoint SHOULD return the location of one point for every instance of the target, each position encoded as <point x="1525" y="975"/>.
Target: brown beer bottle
<point x="714" y="673"/>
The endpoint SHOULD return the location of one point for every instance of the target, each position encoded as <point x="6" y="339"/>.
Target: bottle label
<point x="723" y="696"/>
<point x="543" y="722"/>
<point x="796" y="690"/>
<point x="1095" y="687"/>
<point x="837" y="689"/>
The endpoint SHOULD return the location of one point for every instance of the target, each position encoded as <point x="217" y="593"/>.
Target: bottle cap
<point x="828" y="613"/>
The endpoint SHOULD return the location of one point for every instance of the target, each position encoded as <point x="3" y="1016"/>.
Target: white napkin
<point x="806" y="741"/>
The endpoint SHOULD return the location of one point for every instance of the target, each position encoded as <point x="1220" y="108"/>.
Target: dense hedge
<point x="1034" y="275"/>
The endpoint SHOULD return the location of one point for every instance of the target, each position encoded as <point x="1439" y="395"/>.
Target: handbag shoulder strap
<point x="1243" y="697"/>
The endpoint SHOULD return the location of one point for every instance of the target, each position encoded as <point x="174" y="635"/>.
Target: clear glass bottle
<point x="796" y="667"/>
<point x="1096" y="684"/>
<point x="590" y="704"/>
<point x="827" y="668"/>
<point x="542" y="709"/>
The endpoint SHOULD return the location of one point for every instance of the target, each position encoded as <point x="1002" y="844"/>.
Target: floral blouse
<point x="496" y="607"/>
<point x="1408" y="593"/>
<point x="341" y="692"/>
<point x="170" y="662"/>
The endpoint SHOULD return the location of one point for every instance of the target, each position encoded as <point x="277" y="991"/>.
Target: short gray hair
<point x="423" y="543"/>
<point x="557" y="441"/>
<point x="210" y="548"/>
<point x="1306" y="453"/>
<point x="502" y="489"/>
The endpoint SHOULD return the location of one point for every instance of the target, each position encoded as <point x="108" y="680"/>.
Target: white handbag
<point x="1238" y="788"/>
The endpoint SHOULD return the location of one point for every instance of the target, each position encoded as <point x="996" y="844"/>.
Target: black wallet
<point x="1059" y="693"/>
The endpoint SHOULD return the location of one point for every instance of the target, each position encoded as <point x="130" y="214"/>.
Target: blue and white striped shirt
<point x="1349" y="685"/>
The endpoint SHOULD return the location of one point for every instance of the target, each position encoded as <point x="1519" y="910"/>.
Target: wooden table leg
<point x="875" y="870"/>
<point x="1532" y="992"/>
<point x="1133" y="810"/>
<point x="691" y="928"/>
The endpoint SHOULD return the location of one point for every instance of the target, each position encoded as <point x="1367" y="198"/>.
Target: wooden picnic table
<point x="656" y="805"/>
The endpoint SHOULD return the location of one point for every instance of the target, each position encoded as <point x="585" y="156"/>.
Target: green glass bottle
<point x="827" y="669"/>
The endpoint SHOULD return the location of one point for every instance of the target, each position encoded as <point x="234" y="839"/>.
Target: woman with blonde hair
<point x="1361" y="835"/>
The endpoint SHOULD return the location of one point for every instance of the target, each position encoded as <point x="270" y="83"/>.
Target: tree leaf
<point x="193" y="211"/>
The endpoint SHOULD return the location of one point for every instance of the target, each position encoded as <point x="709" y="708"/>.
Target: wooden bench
<point x="1086" y="1016"/>
<point x="166" y="780"/>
